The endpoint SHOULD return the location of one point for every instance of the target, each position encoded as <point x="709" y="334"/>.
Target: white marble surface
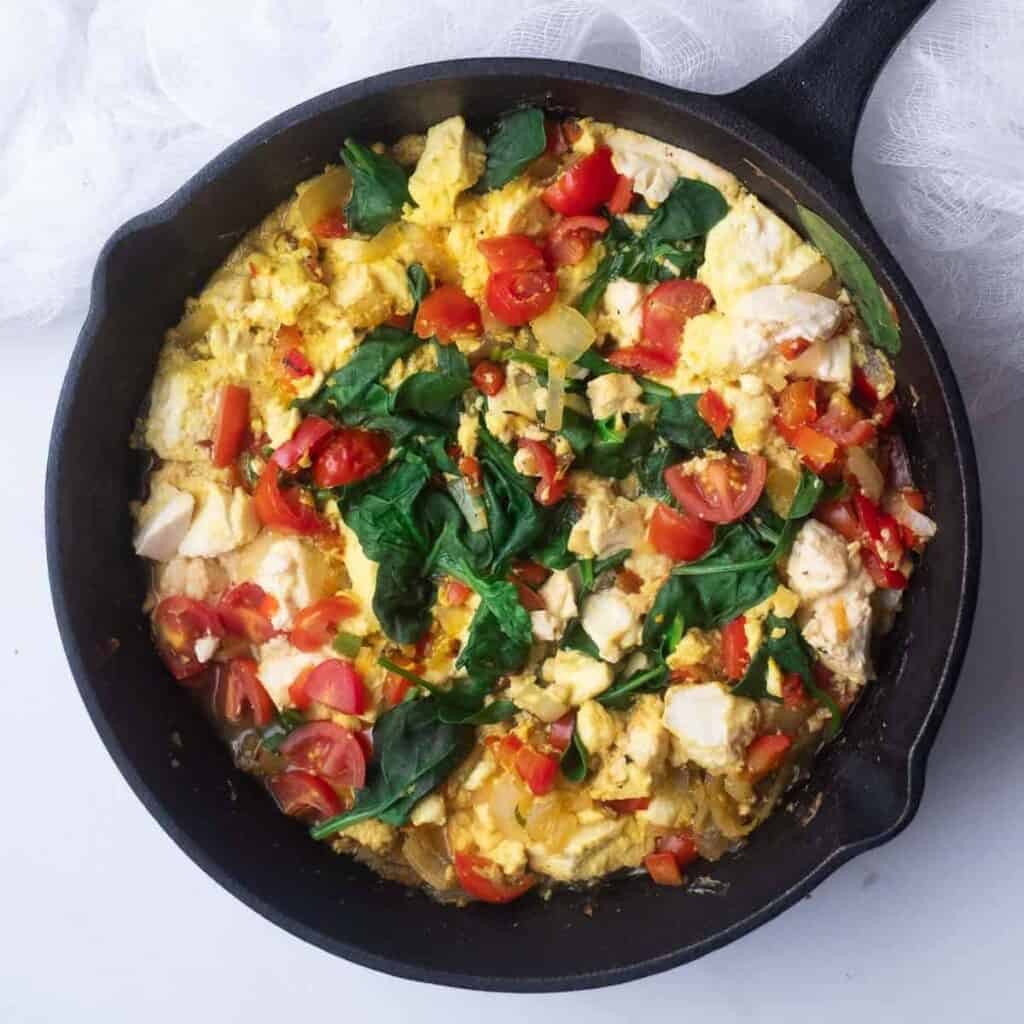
<point x="104" y="919"/>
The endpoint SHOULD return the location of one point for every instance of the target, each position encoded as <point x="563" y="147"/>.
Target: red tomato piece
<point x="178" y="622"/>
<point x="456" y="593"/>
<point x="488" y="377"/>
<point x="483" y="879"/>
<point x="842" y="422"/>
<point x="622" y="195"/>
<point x="643" y="359"/>
<point x="816" y="450"/>
<point x="296" y="364"/>
<point x="793" y="693"/>
<point x="793" y="347"/>
<point x="735" y="656"/>
<point x="317" y="623"/>
<point x="511" y="252"/>
<point x="714" y="412"/>
<point x="537" y="770"/>
<point x="766" y="753"/>
<point x="571" y="238"/>
<point x="560" y="732"/>
<point x="516" y="297"/>
<point x="312" y="433"/>
<point x="630" y="806"/>
<point x="351" y="454"/>
<point x="683" y="538"/>
<point x="885" y="412"/>
<point x="448" y="313"/>
<point x="246" y="611"/>
<point x="328" y="749"/>
<point x="331" y="225"/>
<point x="304" y="795"/>
<point x="798" y="404"/>
<point x="239" y="687"/>
<point x="663" y="869"/>
<point x="395" y="689"/>
<point x="884" y="577"/>
<point x="232" y="423"/>
<point x="282" y="509"/>
<point x="882" y="530"/>
<point x="551" y="488"/>
<point x="724" y="491"/>
<point x="528" y="597"/>
<point x="584" y="186"/>
<point x="533" y="574"/>
<point x="681" y="845"/>
<point x="333" y="682"/>
<point x="668" y="308"/>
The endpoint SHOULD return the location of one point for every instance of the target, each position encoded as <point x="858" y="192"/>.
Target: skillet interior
<point x="868" y="784"/>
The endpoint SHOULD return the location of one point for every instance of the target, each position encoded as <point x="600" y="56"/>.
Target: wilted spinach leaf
<point x="380" y="188"/>
<point x="679" y="422"/>
<point x="621" y="693"/>
<point x="614" y="452"/>
<point x="419" y="286"/>
<point x="518" y="140"/>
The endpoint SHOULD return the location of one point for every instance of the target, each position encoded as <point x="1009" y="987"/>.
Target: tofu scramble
<point x="524" y="509"/>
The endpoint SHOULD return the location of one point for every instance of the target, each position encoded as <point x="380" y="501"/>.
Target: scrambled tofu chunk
<point x="596" y="727"/>
<point x="608" y="524"/>
<point x="577" y="675"/>
<point x="162" y="522"/>
<point x="817" y="562"/>
<point x="613" y="394"/>
<point x="452" y="161"/>
<point x="711" y="727"/>
<point x="611" y="621"/>
<point x="224" y="519"/>
<point x="838" y="626"/>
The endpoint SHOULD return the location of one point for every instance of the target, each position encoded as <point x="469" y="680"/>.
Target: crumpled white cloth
<point x="106" y="106"/>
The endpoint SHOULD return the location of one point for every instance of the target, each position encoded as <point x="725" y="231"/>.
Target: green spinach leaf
<point x="553" y="552"/>
<point x="575" y="762"/>
<point x="380" y="188"/>
<point x="690" y="210"/>
<point x="614" y="452"/>
<point x="855" y="274"/>
<point x="621" y="693"/>
<point x="679" y="422"/>
<point x="518" y="140"/>
<point x="419" y="286"/>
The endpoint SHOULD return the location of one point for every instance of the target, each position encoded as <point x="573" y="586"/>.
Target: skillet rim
<point x="831" y="198"/>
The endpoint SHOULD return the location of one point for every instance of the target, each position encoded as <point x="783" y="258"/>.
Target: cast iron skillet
<point x="789" y="136"/>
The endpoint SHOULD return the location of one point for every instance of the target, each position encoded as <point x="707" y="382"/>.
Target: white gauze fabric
<point x="107" y="106"/>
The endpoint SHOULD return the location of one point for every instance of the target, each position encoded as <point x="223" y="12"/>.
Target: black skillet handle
<point x="813" y="99"/>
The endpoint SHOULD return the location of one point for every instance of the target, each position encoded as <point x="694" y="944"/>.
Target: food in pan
<point x="526" y="510"/>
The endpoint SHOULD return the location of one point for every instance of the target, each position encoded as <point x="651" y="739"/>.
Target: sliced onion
<point x="868" y="475"/>
<point x="331" y="190"/>
<point x="917" y="522"/>
<point x="504" y="800"/>
<point x="196" y="323"/>
<point x="564" y="332"/>
<point x="555" y="406"/>
<point x="426" y="854"/>
<point x="548" y="822"/>
<point x="470" y="505"/>
<point x="898" y="459"/>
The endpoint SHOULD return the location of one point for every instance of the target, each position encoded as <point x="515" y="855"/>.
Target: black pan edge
<point x="860" y="232"/>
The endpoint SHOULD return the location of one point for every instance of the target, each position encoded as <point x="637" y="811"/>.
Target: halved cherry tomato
<point x="516" y="297"/>
<point x="663" y="869"/>
<point x="296" y="364"/>
<point x="622" y="195"/>
<point x="333" y="682"/>
<point x="537" y="770"/>
<point x="798" y="404"/>
<point x="239" y="686"/>
<point x="395" y="689"/>
<point x="317" y="623"/>
<point x="793" y="693"/>
<point x="528" y="597"/>
<point x="629" y="806"/>
<point x="571" y="238"/>
<point x="714" y="412"/>
<point x="304" y="795"/>
<point x="351" y="454"/>
<point x="667" y="309"/>
<point x="841" y="516"/>
<point x="328" y="749"/>
<point x="683" y="538"/>
<point x="448" y="313"/>
<point x="533" y="574"/>
<point x="488" y="377"/>
<point x="735" y="656"/>
<point x="232" y="423"/>
<point x="723" y="491"/>
<point x="511" y="252"/>
<point x="331" y="225"/>
<point x="483" y="879"/>
<point x="584" y="186"/>
<point x="681" y="845"/>
<point x="643" y="359"/>
<point x="307" y="440"/>
<point x="816" y="450"/>
<point x="560" y="732"/>
<point x="282" y="509"/>
<point x="178" y="623"/>
<point x="843" y="423"/>
<point x="766" y="753"/>
<point x="246" y="610"/>
<point x="550" y="488"/>
<point x="455" y="593"/>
